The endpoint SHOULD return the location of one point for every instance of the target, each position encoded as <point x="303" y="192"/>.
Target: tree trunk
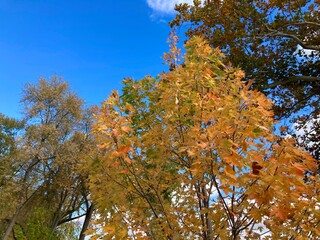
<point x="86" y="222"/>
<point x="11" y="225"/>
<point x="21" y="212"/>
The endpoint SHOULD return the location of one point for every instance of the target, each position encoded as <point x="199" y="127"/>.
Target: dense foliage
<point x="276" y="43"/>
<point x="41" y="180"/>
<point x="192" y="155"/>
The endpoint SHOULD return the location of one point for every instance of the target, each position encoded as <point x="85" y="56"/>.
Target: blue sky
<point x="92" y="44"/>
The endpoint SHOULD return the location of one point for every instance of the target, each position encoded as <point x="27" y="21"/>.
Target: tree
<point x="192" y="155"/>
<point x="49" y="185"/>
<point x="277" y="43"/>
<point x="9" y="129"/>
<point x="8" y="132"/>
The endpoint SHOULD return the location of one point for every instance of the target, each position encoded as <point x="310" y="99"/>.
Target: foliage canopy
<point x="276" y="43"/>
<point x="192" y="155"/>
<point x="44" y="186"/>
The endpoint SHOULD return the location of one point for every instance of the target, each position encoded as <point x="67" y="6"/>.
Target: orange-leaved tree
<point x="277" y="43"/>
<point x="192" y="155"/>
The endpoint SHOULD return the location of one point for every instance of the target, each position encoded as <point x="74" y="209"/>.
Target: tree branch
<point x="276" y="33"/>
<point x="296" y="78"/>
<point x="86" y="222"/>
<point x="70" y="219"/>
<point x="306" y="78"/>
<point x="305" y="23"/>
<point x="295" y="38"/>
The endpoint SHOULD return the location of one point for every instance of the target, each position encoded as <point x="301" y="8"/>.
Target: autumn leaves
<point x="195" y="156"/>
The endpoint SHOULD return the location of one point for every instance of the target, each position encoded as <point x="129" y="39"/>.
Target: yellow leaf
<point x="229" y="172"/>
<point x="126" y="129"/>
<point x="191" y="153"/>
<point x="202" y="145"/>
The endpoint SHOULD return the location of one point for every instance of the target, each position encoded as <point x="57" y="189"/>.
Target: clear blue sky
<point x="92" y="44"/>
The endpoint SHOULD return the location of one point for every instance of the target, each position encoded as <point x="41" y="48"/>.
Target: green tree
<point x="9" y="129"/>
<point x="54" y="139"/>
<point x="192" y="155"/>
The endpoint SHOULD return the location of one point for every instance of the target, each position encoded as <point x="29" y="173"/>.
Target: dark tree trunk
<point x="86" y="222"/>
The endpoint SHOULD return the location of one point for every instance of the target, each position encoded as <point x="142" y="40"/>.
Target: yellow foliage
<point x="192" y="155"/>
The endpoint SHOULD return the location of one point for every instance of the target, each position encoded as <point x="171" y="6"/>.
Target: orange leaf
<point x="128" y="160"/>
<point x="279" y="212"/>
<point x="125" y="149"/>
<point x="116" y="164"/>
<point x="116" y="153"/>
<point x="202" y="145"/>
<point x="115" y="132"/>
<point x="300" y="170"/>
<point x="126" y="129"/>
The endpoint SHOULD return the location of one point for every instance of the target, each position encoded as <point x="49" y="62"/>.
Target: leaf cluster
<point x="192" y="154"/>
<point x="277" y="43"/>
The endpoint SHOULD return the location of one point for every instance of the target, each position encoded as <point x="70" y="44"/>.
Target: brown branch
<point x="70" y="219"/>
<point x="296" y="78"/>
<point x="226" y="208"/>
<point x="305" y="23"/>
<point x="306" y="78"/>
<point x="295" y="38"/>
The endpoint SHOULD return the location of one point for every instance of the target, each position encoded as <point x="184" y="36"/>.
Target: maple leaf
<point x="256" y="168"/>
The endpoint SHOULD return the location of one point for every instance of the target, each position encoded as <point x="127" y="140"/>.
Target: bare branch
<point x="295" y="38"/>
<point x="296" y="78"/>
<point x="305" y="23"/>
<point x="306" y="78"/>
<point x="70" y="219"/>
